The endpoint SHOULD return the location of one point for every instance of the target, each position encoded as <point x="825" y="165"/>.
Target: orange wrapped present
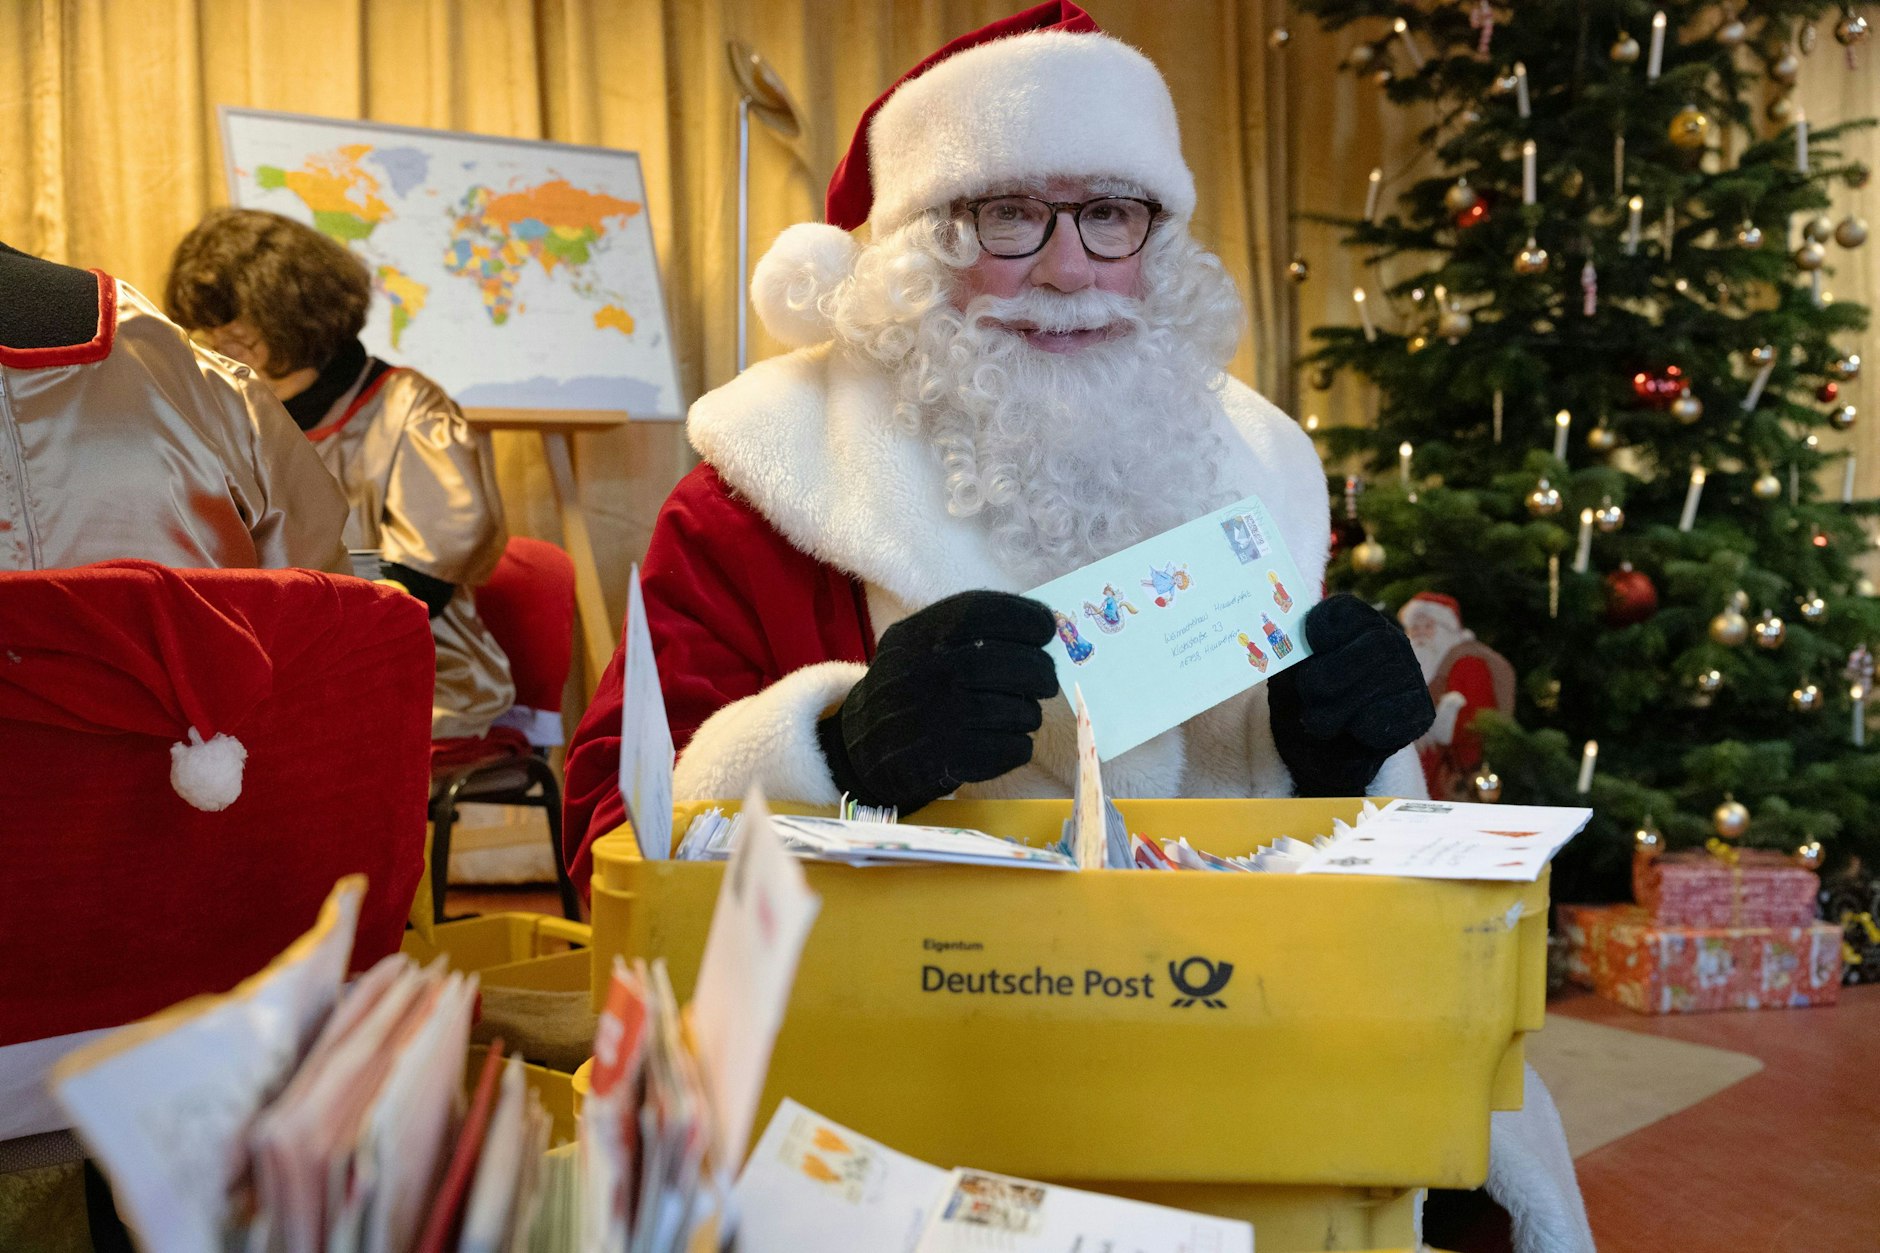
<point x="1741" y="888"/>
<point x="1622" y="954"/>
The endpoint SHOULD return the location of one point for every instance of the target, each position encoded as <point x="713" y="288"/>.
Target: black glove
<point x="1356" y="700"/>
<point x="952" y="697"/>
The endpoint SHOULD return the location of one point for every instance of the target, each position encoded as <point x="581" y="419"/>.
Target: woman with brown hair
<point x="290" y="302"/>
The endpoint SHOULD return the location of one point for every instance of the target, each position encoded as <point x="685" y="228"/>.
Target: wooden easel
<point x="554" y="426"/>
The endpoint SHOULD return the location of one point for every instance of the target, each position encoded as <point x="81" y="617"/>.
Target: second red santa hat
<point x="1040" y="94"/>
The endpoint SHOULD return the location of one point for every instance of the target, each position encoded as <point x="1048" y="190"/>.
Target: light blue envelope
<point x="1173" y="626"/>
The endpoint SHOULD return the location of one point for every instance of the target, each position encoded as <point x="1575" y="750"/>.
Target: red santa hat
<point x="1444" y="609"/>
<point x="1039" y="94"/>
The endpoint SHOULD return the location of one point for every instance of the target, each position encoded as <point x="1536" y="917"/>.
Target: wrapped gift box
<point x="1696" y="889"/>
<point x="1622" y="954"/>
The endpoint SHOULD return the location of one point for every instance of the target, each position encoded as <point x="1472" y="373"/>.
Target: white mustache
<point x="1055" y="312"/>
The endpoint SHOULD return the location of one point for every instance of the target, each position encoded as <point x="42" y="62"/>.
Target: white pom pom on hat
<point x="808" y="261"/>
<point x="208" y="774"/>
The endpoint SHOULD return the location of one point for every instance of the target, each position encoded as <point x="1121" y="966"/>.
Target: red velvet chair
<point x="528" y="605"/>
<point x="120" y="897"/>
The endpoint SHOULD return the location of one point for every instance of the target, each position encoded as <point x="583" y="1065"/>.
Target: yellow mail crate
<point x="1177" y="1036"/>
<point x="510" y="950"/>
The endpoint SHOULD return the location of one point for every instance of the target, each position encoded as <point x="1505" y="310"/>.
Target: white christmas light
<point x="1696" y="493"/>
<point x="1584" y="554"/>
<point x="1656" y="61"/>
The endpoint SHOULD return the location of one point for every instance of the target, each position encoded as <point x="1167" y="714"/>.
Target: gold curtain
<point x="111" y="151"/>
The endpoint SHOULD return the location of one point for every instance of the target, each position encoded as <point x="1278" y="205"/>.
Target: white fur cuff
<point x="768" y="740"/>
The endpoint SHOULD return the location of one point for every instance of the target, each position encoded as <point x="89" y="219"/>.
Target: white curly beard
<point x="1067" y="457"/>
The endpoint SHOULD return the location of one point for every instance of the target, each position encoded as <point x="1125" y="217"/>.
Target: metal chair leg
<point x="541" y="773"/>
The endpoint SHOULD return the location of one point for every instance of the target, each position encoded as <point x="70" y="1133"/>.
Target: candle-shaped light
<point x="1847" y="481"/>
<point x="1562" y="421"/>
<point x="1671" y="227"/>
<point x="1815" y="295"/>
<point x="1520" y="88"/>
<point x="1409" y="42"/>
<point x="1795" y="483"/>
<point x="1372" y="186"/>
<point x="1689" y="517"/>
<point x="1801" y="140"/>
<point x="1528" y="153"/>
<point x="1618" y="165"/>
<point x="1757" y="384"/>
<point x="1553" y="585"/>
<point x="1656" y="61"/>
<point x="1498" y="407"/>
<point x="1403" y="462"/>
<point x="1859" y="693"/>
<point x="1635" y="209"/>
<point x="1584" y="553"/>
<point x="1589" y="756"/>
<point x="1364" y="316"/>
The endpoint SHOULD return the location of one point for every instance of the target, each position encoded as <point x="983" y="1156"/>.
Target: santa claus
<point x="1465" y="676"/>
<point x="1019" y="373"/>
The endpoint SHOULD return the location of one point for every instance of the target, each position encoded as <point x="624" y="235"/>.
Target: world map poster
<point x="518" y="274"/>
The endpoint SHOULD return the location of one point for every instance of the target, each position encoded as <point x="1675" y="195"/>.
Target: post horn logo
<point x="1213" y="977"/>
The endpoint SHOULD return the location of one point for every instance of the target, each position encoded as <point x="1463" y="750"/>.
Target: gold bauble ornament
<point x="1808" y="856"/>
<point x="1850" y="30"/>
<point x="1454" y="324"/>
<point x="1368" y="557"/>
<point x="1820" y="228"/>
<point x="1360" y="56"/>
<point x="1706" y="686"/>
<point x="1321" y="379"/>
<point x="1602" y="438"/>
<point x="1846" y="368"/>
<point x="1729" y="628"/>
<point x="1730" y="819"/>
<point x="1805" y="38"/>
<point x="1690" y="127"/>
<point x="1851" y="233"/>
<point x="1647" y="843"/>
<point x="1810" y="256"/>
<point x="1548" y="698"/>
<point x="1381" y="77"/>
<point x="1805" y="699"/>
<point x="1486" y="785"/>
<point x="1762" y="354"/>
<point x="1731" y="33"/>
<point x="1531" y="259"/>
<point x="1460" y="198"/>
<point x="1298" y="270"/>
<point x="1843" y="419"/>
<point x="1787" y="68"/>
<point x="1544" y="500"/>
<point x="1864" y="586"/>
<point x="1278" y="37"/>
<point x="1624" y="49"/>
<point x="1781" y="110"/>
<point x="1572" y="183"/>
<point x="1814" y="609"/>
<point x="1418" y="343"/>
<point x="1770" y="632"/>
<point x="1687" y="408"/>
<point x="1749" y="235"/>
<point x="1609" y="517"/>
<point x="1766" y="487"/>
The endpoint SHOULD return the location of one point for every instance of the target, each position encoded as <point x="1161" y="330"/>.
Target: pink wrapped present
<point x="1696" y="889"/>
<point x="1619" y="952"/>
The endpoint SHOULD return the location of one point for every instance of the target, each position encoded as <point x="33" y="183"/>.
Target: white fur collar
<point x="806" y="439"/>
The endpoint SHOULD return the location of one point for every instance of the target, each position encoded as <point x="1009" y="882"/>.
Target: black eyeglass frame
<point x="1058" y="208"/>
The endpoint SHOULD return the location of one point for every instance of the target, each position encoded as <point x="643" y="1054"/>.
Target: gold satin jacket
<point x="160" y="450"/>
<point x="421" y="487"/>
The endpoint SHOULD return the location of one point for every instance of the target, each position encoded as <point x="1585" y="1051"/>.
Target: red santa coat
<point x="815" y="524"/>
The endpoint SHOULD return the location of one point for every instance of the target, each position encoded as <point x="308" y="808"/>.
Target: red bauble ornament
<point x="1658" y="388"/>
<point x="1474" y="215"/>
<point x="1827" y="392"/>
<point x="1630" y="597"/>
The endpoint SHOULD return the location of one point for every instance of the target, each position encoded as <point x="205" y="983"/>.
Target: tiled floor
<point x="1787" y="1161"/>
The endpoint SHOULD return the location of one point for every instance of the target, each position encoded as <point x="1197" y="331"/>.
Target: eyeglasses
<point x="1111" y="227"/>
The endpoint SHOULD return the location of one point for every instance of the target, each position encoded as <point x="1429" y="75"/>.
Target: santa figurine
<point x="1465" y="676"/>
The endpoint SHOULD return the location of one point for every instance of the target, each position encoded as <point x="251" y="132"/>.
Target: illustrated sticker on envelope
<point x="1171" y="627"/>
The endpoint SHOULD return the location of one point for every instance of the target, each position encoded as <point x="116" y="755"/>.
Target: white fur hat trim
<point x="1017" y="110"/>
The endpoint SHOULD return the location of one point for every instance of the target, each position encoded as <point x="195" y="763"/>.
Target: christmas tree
<point x="1607" y="377"/>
